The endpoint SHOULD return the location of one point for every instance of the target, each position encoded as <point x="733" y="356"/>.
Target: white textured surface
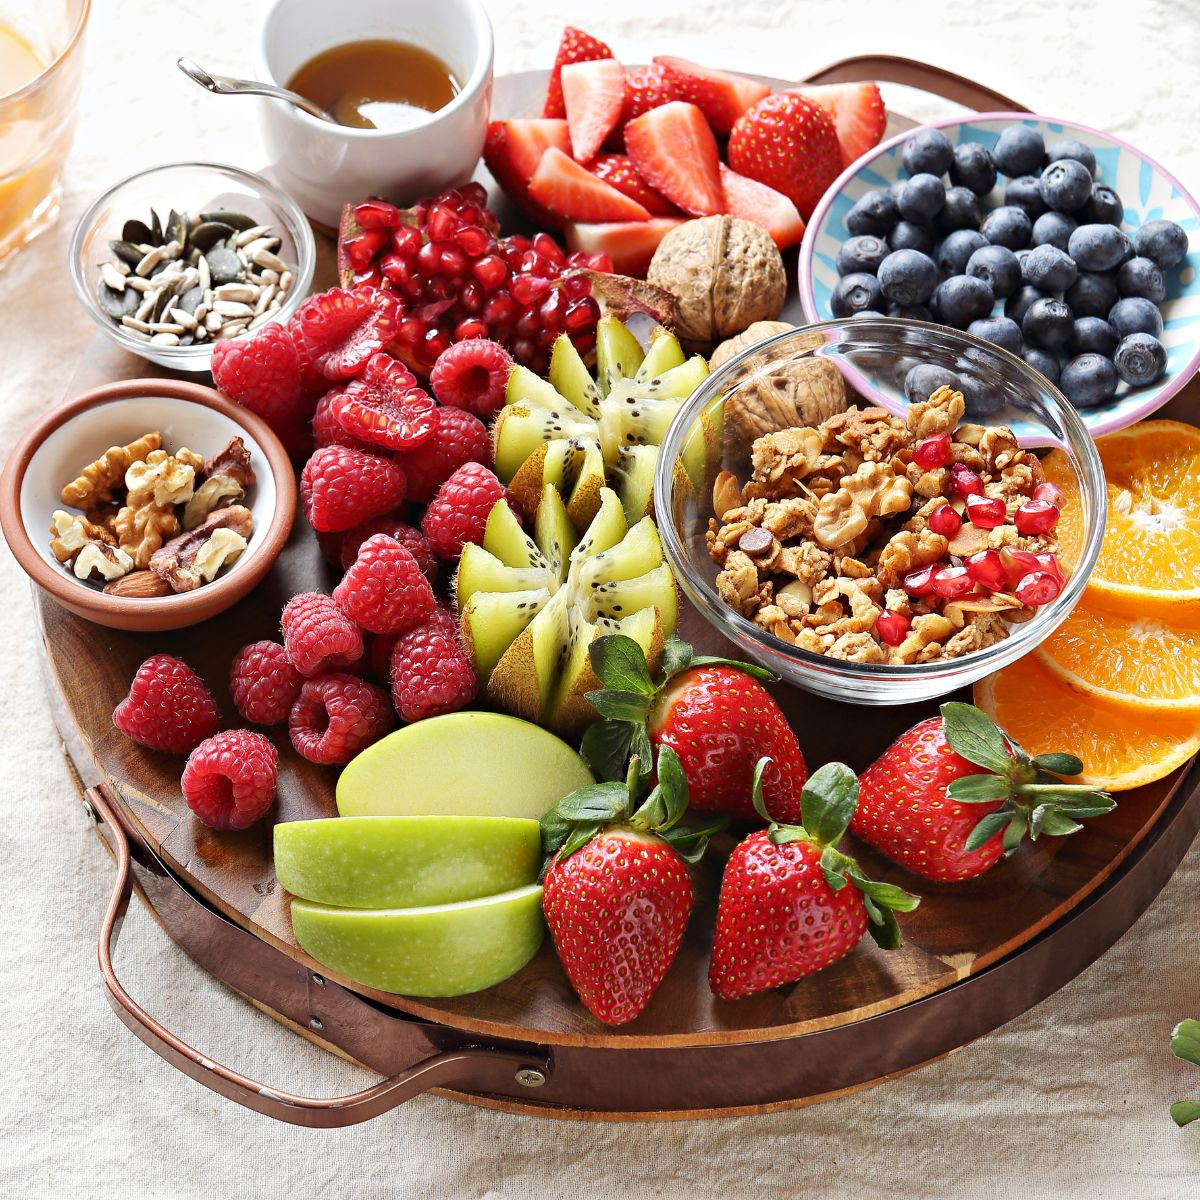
<point x="1068" y="1101"/>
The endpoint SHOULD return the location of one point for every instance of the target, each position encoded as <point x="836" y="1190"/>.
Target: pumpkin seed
<point x="208" y="233"/>
<point x="117" y="304"/>
<point x="135" y="231"/>
<point x="235" y="219"/>
<point x="127" y="252"/>
<point x="156" y="230"/>
<point x="223" y="265"/>
<point x="189" y="301"/>
<point x="177" y="228"/>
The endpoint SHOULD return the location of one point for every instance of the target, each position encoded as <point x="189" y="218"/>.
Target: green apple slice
<point x="406" y="862"/>
<point x="437" y="950"/>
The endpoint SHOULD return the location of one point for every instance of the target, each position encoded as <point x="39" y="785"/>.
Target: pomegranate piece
<point x="1038" y="588"/>
<point x="987" y="569"/>
<point x="986" y="512"/>
<point x="945" y="520"/>
<point x="1018" y="563"/>
<point x="919" y="582"/>
<point x="933" y="452"/>
<point x="1050" y="492"/>
<point x="964" y="482"/>
<point x="1036" y="516"/>
<point x="1050" y="563"/>
<point x="892" y="627"/>
<point x="952" y="583"/>
<point x="376" y="214"/>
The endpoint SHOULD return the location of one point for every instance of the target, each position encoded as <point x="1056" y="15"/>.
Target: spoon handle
<point x="223" y="85"/>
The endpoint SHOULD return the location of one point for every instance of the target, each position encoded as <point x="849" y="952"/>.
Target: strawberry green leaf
<point x="642" y="750"/>
<point x="619" y="706"/>
<point x="987" y="828"/>
<point x="620" y="664"/>
<point x="676" y="656"/>
<point x="833" y="867"/>
<point x="606" y="746"/>
<point x="1060" y="764"/>
<point x="555" y="831"/>
<point x="579" y="837"/>
<point x="691" y="841"/>
<point x="751" y="669"/>
<point x="979" y="789"/>
<point x="594" y="802"/>
<point x="828" y="802"/>
<point x="1047" y="819"/>
<point x="673" y="784"/>
<point x="756" y="791"/>
<point x="974" y="735"/>
<point x="652" y="813"/>
<point x="1016" y="830"/>
<point x="885" y="895"/>
<point x="886" y="932"/>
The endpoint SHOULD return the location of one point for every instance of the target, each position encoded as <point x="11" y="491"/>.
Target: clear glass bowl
<point x="188" y="188"/>
<point x="873" y="355"/>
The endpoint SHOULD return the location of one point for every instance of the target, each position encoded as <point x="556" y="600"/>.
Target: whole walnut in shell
<point x="784" y="393"/>
<point x="725" y="274"/>
<point x="750" y="336"/>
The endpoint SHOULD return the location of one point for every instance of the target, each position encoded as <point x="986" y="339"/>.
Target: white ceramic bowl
<point x="324" y="165"/>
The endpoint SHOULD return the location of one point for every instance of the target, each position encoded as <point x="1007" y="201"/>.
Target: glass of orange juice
<point x="41" y="69"/>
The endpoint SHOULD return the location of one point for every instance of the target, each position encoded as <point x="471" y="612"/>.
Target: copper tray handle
<point x="927" y="78"/>
<point x="462" y="1067"/>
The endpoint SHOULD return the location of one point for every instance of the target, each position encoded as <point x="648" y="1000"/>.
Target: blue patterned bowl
<point x="1149" y="192"/>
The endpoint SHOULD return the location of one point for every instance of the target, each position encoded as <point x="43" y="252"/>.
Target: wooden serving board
<point x="960" y="931"/>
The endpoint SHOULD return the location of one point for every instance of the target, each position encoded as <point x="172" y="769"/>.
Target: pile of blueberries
<point x="1080" y="297"/>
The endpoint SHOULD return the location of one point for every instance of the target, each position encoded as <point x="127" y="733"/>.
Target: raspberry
<point x="263" y="683"/>
<point x="413" y="540"/>
<point x="341" y="488"/>
<point x="229" y="780"/>
<point x="384" y="590"/>
<point x="459" y="511"/>
<point x="385" y="406"/>
<point x="458" y="438"/>
<point x="262" y="373"/>
<point x="336" y="332"/>
<point x="472" y="375"/>
<point x="430" y="672"/>
<point x="336" y="716"/>
<point x="318" y="635"/>
<point x="168" y="707"/>
<point x="379" y="655"/>
<point x="327" y="431"/>
<point x="331" y="547"/>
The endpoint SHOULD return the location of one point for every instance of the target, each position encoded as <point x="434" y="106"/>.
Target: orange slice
<point x="1150" y="561"/>
<point x="1119" y="750"/>
<point x="1139" y="665"/>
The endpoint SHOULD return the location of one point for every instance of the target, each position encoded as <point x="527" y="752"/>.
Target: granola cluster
<point x="832" y="530"/>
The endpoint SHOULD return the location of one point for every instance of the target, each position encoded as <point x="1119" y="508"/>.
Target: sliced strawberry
<point x="857" y="111"/>
<point x="593" y="93"/>
<point x="618" y="171"/>
<point x="722" y="96"/>
<point x="572" y="191"/>
<point x="385" y="406"/>
<point x="630" y="244"/>
<point x="574" y="46"/>
<point x="646" y="88"/>
<point x="512" y="152"/>
<point x="754" y="201"/>
<point x="675" y="152"/>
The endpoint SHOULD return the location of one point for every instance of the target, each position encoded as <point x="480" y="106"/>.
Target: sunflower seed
<point x="265" y="258"/>
<point x="269" y="276"/>
<point x="165" y="339"/>
<point x="213" y="322"/>
<point x="112" y="277"/>
<point x="285" y="281"/>
<point x="136" y="325"/>
<point x="165" y="327"/>
<point x="264" y="298"/>
<point x="231" y="329"/>
<point x="150" y="261"/>
<point x="179" y="317"/>
<point x="146" y="308"/>
<point x="232" y="308"/>
<point x="237" y="291"/>
<point x="249" y="235"/>
<point x="261" y="320"/>
<point x="139" y="284"/>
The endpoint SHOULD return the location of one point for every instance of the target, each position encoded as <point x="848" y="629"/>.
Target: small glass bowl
<point x="873" y="355"/>
<point x="188" y="188"/>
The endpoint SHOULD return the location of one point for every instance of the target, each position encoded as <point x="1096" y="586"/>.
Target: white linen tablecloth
<point x="1068" y="1101"/>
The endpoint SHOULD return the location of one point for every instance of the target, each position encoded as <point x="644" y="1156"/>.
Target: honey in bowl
<point x="377" y="83"/>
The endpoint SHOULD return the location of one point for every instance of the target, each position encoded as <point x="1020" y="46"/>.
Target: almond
<point x="139" y="584"/>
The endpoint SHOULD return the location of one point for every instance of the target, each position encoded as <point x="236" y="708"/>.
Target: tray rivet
<point x="316" y="1023"/>
<point x="528" y="1077"/>
<point x="319" y="980"/>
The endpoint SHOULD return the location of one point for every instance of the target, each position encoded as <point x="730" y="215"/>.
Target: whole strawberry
<point x="791" y="903"/>
<point x="714" y="713"/>
<point x="952" y="796"/>
<point x="617" y="894"/>
<point x="789" y="143"/>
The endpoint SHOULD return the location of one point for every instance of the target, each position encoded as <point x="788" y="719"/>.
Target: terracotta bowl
<point x="79" y="431"/>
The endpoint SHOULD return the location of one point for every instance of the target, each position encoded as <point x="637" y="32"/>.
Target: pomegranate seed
<point x="964" y="482"/>
<point x="465" y="330"/>
<point x="410" y="331"/>
<point x="406" y="241"/>
<point x="395" y="267"/>
<point x="1036" y="516"/>
<point x="529" y="289"/>
<point x="945" y="520"/>
<point x="892" y="627"/>
<point x="1050" y="492"/>
<point x="986" y="512"/>
<point x="576" y="287"/>
<point x="555" y="307"/>
<point x="583" y="314"/>
<point x="987" y="569"/>
<point x="474" y="193"/>
<point x="529" y="324"/>
<point x="491" y="271"/>
<point x="952" y="583"/>
<point x="376" y="214"/>
<point x="471" y="297"/>
<point x="454" y="262"/>
<point x="933" y="452"/>
<point x="1018" y="563"/>
<point x="919" y="582"/>
<point x="442" y="222"/>
<point x="1037" y="588"/>
<point x="1050" y="563"/>
<point x="362" y="249"/>
<point x="499" y="310"/>
<point x="472" y="240"/>
<point x="428" y="259"/>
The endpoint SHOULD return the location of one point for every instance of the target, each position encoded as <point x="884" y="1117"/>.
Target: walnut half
<point x="196" y="556"/>
<point x="99" y="560"/>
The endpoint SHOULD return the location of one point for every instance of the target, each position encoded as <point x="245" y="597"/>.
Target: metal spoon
<point x="222" y="85"/>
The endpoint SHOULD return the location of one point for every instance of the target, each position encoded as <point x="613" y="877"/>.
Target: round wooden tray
<point x="975" y="954"/>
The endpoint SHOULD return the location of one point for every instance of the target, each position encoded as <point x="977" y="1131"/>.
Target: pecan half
<point x="234" y="461"/>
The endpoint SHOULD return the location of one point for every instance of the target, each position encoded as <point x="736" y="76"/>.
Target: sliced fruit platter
<point x="478" y="697"/>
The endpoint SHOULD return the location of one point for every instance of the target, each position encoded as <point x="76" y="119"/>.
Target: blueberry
<point x="1097" y="247"/>
<point x="1163" y="241"/>
<point x="1047" y="323"/>
<point x="1018" y="304"/>
<point x="1049" y="268"/>
<point x="928" y="152"/>
<point x="894" y="190"/>
<point x="1135" y="315"/>
<point x="962" y="299"/>
<point x="1092" y="294"/>
<point x="1019" y="150"/>
<point x="866" y="312"/>
<point x="908" y="277"/>
<point x="1066" y="185"/>
<point x="924" y="379"/>
<point x="1069" y="148"/>
<point x="1088" y="380"/>
<point x="1026" y="192"/>
<point x="1140" y="359"/>
<point x="854" y="293"/>
<point x="912" y="312"/>
<point x="961" y="211"/>
<point x="922" y="198"/>
<point x="874" y="212"/>
<point x="1039" y="360"/>
<point x="1142" y="277"/>
<point x="1103" y="207"/>
<point x="1003" y="331"/>
<point x="973" y="168"/>
<point x="910" y="236"/>
<point x="1093" y="335"/>
<point x="862" y="253"/>
<point x="1008" y="226"/>
<point x="997" y="266"/>
<point x="954" y="253"/>
<point x="1053" y="229"/>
